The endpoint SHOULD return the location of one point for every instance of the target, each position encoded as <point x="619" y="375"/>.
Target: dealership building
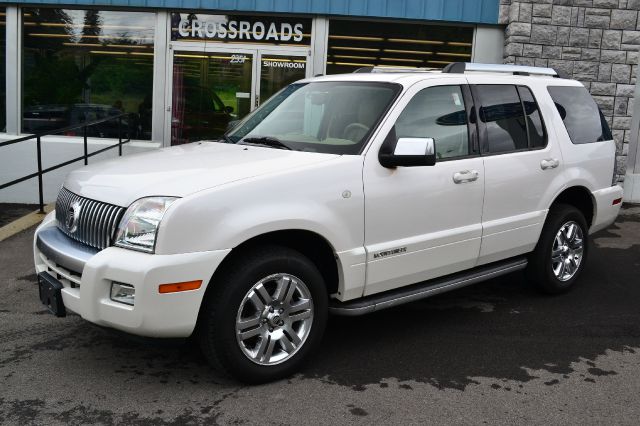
<point x="184" y="69"/>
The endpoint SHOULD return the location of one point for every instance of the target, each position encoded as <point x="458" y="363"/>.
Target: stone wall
<point x="594" y="41"/>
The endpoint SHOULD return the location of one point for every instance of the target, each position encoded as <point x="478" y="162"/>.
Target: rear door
<point x="522" y="169"/>
<point x="425" y="222"/>
<point x="588" y="143"/>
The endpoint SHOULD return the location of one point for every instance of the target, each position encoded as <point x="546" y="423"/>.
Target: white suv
<point x="343" y="194"/>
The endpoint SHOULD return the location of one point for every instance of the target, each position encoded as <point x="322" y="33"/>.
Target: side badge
<point x="389" y="252"/>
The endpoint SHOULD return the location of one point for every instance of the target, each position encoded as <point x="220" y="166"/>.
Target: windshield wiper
<point x="265" y="140"/>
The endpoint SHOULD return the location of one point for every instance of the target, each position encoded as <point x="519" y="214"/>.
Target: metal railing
<point x="84" y="126"/>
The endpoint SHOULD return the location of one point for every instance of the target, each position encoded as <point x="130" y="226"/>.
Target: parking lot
<point x="495" y="353"/>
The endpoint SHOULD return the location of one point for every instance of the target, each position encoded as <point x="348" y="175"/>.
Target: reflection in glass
<point x="279" y="71"/>
<point x="535" y="128"/>
<point x="437" y="113"/>
<point x="502" y="113"/>
<point x="329" y="117"/>
<point x="83" y="65"/>
<point x="210" y="90"/>
<point x="357" y="44"/>
<point x="3" y="70"/>
<point x="581" y="115"/>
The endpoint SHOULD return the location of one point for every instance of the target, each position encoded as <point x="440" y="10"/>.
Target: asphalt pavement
<point x="12" y="211"/>
<point x="497" y="353"/>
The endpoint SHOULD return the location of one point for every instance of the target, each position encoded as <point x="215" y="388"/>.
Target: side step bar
<point x="425" y="289"/>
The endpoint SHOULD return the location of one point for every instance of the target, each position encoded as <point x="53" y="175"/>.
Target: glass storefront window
<point x="358" y="44"/>
<point x="83" y="65"/>
<point x="226" y="65"/>
<point x="209" y="91"/>
<point x="212" y="90"/>
<point x="277" y="71"/>
<point x="3" y="69"/>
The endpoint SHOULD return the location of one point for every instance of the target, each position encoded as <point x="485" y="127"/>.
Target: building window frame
<point x="13" y="69"/>
<point x="161" y="53"/>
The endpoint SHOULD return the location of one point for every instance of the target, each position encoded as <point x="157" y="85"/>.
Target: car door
<point x="424" y="222"/>
<point x="522" y="170"/>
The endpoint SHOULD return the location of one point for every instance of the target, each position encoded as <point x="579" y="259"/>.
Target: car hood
<point x="182" y="170"/>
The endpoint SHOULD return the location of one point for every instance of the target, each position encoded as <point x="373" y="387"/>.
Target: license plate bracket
<point x="50" y="290"/>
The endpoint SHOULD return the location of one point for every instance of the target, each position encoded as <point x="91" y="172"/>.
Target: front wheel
<point x="560" y="255"/>
<point x="265" y="314"/>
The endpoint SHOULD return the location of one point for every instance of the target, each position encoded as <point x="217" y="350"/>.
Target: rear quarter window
<point x="580" y="113"/>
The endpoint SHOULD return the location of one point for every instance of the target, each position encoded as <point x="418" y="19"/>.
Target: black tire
<point x="540" y="270"/>
<point x="217" y="321"/>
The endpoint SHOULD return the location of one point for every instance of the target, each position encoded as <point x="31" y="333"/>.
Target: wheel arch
<point x="311" y="244"/>
<point x="579" y="197"/>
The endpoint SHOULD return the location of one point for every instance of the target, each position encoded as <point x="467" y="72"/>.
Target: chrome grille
<point x="96" y="223"/>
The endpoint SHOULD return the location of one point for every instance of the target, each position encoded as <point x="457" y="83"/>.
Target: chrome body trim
<point x="97" y="221"/>
<point x="420" y="291"/>
<point x="62" y="250"/>
<point x="62" y="274"/>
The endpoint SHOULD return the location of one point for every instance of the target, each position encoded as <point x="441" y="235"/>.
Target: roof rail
<point x="462" y="67"/>
<point x="387" y="69"/>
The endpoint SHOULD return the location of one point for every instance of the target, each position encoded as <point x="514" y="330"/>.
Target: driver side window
<point x="439" y="113"/>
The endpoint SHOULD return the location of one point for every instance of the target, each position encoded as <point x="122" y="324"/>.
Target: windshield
<point x="329" y="117"/>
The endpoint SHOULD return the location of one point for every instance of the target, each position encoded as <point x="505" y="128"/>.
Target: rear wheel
<point x="265" y="314"/>
<point x="560" y="255"/>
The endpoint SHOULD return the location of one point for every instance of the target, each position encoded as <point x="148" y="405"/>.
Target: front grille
<point x="95" y="224"/>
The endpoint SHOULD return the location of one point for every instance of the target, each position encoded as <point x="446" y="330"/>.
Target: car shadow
<point x="500" y="329"/>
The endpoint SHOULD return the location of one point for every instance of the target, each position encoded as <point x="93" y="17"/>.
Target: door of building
<point x="213" y="86"/>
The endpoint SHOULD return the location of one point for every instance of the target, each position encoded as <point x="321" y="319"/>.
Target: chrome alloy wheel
<point x="274" y="319"/>
<point x="567" y="250"/>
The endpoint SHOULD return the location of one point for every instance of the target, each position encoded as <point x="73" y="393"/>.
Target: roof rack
<point x="462" y="67"/>
<point x="387" y="69"/>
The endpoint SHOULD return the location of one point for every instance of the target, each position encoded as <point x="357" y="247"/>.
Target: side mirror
<point x="408" y="152"/>
<point x="228" y="109"/>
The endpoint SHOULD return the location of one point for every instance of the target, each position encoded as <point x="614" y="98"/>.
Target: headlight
<point x="139" y="225"/>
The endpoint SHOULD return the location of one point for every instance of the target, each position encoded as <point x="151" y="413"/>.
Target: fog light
<point x="123" y="293"/>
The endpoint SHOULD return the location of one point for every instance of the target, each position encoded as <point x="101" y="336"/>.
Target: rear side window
<point x="580" y="113"/>
<point x="535" y="126"/>
<point x="502" y="114"/>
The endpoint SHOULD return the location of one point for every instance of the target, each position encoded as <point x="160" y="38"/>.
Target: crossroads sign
<point x="227" y="28"/>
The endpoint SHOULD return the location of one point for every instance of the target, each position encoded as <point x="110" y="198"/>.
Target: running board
<point x="425" y="289"/>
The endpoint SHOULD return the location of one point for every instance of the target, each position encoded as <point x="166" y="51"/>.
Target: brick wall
<point x="594" y="41"/>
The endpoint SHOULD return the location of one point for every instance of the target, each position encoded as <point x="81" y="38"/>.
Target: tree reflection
<point x="82" y="65"/>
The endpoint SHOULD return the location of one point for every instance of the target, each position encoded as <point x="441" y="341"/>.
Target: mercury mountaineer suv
<point x="343" y="195"/>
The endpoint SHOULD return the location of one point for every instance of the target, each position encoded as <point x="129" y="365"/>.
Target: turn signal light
<point x="176" y="287"/>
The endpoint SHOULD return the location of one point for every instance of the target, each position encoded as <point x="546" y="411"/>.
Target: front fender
<point x="327" y="199"/>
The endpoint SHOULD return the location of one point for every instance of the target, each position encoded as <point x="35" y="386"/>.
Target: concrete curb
<point x="25" y="222"/>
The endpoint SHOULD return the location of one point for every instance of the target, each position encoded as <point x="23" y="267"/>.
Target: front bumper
<point x="87" y="276"/>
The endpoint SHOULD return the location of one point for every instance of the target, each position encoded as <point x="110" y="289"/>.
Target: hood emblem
<point x="73" y="215"/>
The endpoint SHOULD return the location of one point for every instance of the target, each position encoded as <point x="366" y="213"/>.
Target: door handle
<point x="549" y="163"/>
<point x="465" y="176"/>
